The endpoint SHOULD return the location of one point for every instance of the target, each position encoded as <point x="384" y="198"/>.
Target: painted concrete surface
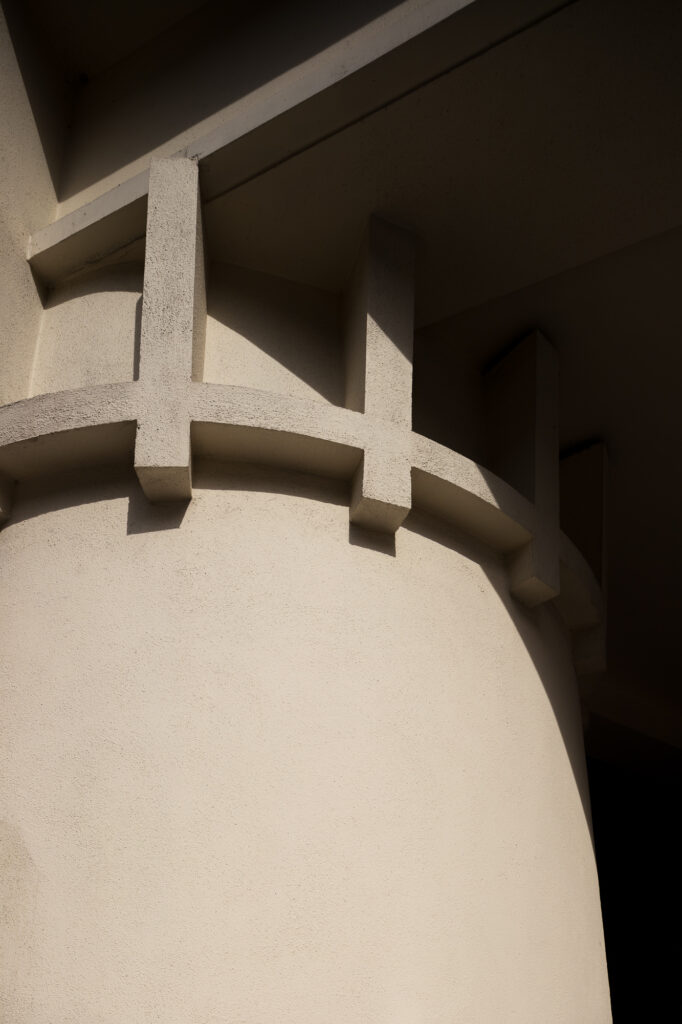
<point x="269" y="333"/>
<point x="258" y="763"/>
<point x="252" y="771"/>
<point x="27" y="200"/>
<point x="90" y="332"/>
<point x="173" y="328"/>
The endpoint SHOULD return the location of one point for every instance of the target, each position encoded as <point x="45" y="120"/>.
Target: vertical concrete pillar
<point x="173" y="328"/>
<point x="379" y="345"/>
<point x="523" y="436"/>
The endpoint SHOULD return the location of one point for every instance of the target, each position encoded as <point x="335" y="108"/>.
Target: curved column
<point x="256" y="772"/>
<point x="257" y="766"/>
<point x="96" y="426"/>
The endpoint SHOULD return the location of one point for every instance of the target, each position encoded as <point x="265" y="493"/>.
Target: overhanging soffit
<point x="530" y="148"/>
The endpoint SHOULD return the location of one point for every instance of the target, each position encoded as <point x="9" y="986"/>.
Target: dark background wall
<point x="636" y="792"/>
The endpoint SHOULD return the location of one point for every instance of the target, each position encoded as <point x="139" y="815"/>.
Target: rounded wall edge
<point x="254" y="771"/>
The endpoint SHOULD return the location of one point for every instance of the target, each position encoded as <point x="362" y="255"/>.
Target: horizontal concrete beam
<point x="96" y="426"/>
<point x="377" y="65"/>
<point x="111" y="227"/>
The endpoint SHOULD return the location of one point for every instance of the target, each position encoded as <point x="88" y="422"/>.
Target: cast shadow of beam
<point x="144" y="517"/>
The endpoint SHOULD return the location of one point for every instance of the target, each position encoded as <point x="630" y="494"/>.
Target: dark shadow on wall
<point x="50" y="92"/>
<point x="183" y="76"/>
<point x="245" y="476"/>
<point x="636" y="787"/>
<point x="117" y="277"/>
<point x="373" y="540"/>
<point x="295" y="326"/>
<point x="145" y="517"/>
<point x="88" y="486"/>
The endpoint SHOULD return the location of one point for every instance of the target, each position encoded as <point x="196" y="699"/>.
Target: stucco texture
<point x="89" y="332"/>
<point x="257" y="769"/>
<point x="27" y="200"/>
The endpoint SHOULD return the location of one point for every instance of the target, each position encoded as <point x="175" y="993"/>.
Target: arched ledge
<point x="85" y="426"/>
<point x="97" y="425"/>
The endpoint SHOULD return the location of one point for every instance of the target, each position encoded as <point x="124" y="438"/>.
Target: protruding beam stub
<point x="382" y="490"/>
<point x="173" y="328"/>
<point x="379" y="345"/>
<point x="534" y="571"/>
<point x="163" y="456"/>
<point x="522" y="413"/>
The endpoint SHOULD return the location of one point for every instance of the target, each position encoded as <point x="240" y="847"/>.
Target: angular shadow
<point x="373" y="540"/>
<point x="227" y="476"/>
<point x="46" y="494"/>
<point x="144" y="517"/>
<point x="196" y="79"/>
<point x="269" y="318"/>
<point x="118" y="277"/>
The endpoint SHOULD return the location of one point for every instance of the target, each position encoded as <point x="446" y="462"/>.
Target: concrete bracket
<point x="382" y="490"/>
<point x="379" y="348"/>
<point x="173" y="329"/>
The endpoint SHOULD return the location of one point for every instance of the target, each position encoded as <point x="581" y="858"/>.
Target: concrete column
<point x="379" y="344"/>
<point x="251" y="772"/>
<point x="523" y="436"/>
<point x="173" y="328"/>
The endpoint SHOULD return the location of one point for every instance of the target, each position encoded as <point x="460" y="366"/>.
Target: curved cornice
<point x="96" y="425"/>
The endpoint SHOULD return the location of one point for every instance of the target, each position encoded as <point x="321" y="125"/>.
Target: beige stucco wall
<point x="261" y="332"/>
<point x="266" y="332"/>
<point x="89" y="331"/>
<point x="27" y="202"/>
<point x="255" y="770"/>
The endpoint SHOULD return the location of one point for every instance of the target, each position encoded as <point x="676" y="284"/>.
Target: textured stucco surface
<point x="89" y="333"/>
<point x="27" y="201"/>
<point x="253" y="771"/>
<point x="269" y="333"/>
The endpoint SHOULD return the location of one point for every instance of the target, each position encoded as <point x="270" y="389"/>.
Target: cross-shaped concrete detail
<point x="379" y="333"/>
